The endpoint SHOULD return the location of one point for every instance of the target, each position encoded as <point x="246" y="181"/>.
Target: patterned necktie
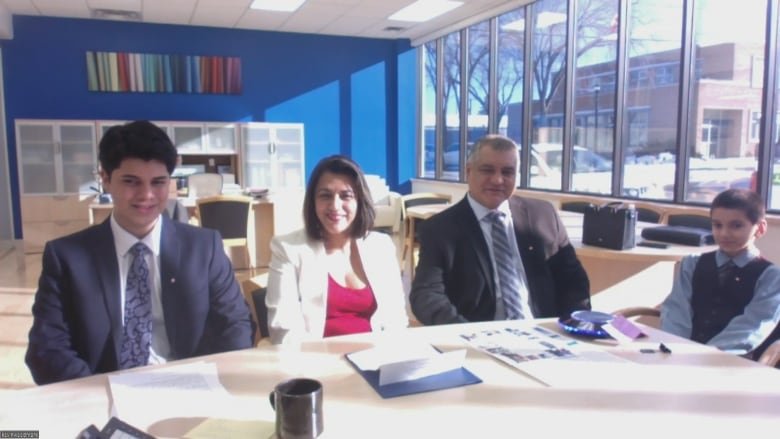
<point x="725" y="271"/>
<point x="506" y="267"/>
<point x="137" y="333"/>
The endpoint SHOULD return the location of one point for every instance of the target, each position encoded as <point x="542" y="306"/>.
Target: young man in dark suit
<point x="139" y="288"/>
<point x="494" y="256"/>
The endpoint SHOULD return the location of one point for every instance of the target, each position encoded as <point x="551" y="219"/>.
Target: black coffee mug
<point x="298" y="406"/>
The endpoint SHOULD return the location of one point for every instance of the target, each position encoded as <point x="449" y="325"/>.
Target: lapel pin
<point x="173" y="280"/>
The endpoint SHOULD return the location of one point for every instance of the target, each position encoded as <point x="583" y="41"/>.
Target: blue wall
<point x="354" y="95"/>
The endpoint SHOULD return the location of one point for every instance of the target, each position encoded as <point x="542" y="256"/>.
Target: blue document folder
<point x="454" y="378"/>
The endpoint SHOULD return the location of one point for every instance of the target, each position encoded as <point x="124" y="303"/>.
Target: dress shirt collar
<point x="741" y="259"/>
<point x="123" y="239"/>
<point x="481" y="211"/>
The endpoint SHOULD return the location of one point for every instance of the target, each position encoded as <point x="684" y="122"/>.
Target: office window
<point x="429" y="110"/>
<point x="547" y="87"/>
<point x="509" y="70"/>
<point x="596" y="61"/>
<point x="721" y="129"/>
<point x="720" y="118"/>
<point x="478" y="69"/>
<point x="654" y="38"/>
<point x="451" y="107"/>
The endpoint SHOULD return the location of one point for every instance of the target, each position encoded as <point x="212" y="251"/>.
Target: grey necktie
<point x="505" y="266"/>
<point x="137" y="333"/>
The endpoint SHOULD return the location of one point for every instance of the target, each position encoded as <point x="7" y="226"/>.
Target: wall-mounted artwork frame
<point x="125" y="72"/>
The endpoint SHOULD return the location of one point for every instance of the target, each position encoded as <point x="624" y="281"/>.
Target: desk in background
<point x="265" y="226"/>
<point x="508" y="403"/>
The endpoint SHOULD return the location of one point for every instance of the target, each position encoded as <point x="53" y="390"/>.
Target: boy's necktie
<point x="506" y="267"/>
<point x="725" y="271"/>
<point x="137" y="333"/>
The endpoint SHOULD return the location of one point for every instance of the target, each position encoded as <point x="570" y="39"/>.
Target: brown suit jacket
<point x="454" y="278"/>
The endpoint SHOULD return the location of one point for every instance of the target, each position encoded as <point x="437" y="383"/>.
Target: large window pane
<point x="451" y="107"/>
<point x="725" y="98"/>
<point x="509" y="70"/>
<point x="594" y="96"/>
<point x="478" y="69"/>
<point x="652" y="98"/>
<point x="547" y="91"/>
<point x="429" y="110"/>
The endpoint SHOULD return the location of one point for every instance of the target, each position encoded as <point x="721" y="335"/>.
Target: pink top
<point x="349" y="310"/>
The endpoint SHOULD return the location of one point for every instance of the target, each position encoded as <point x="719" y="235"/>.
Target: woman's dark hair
<point x="141" y="140"/>
<point x="341" y="165"/>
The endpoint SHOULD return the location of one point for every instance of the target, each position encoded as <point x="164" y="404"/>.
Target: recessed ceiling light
<point x="277" y="5"/>
<point x="424" y="10"/>
<point x="115" y="14"/>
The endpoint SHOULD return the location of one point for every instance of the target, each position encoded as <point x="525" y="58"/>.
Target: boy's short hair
<point x="140" y="139"/>
<point x="747" y="201"/>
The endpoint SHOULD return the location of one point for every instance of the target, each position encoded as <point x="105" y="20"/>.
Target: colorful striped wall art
<point x="153" y="73"/>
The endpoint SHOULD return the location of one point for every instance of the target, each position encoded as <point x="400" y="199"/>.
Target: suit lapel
<point x="104" y="260"/>
<point x="170" y="257"/>
<point x="469" y="222"/>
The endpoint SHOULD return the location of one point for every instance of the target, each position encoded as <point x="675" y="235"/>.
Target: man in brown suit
<point x="457" y="279"/>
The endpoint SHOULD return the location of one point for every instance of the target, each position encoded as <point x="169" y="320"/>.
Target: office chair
<point x="649" y="214"/>
<point x="411" y="200"/>
<point x="689" y="220"/>
<point x="204" y="185"/>
<point x="578" y="206"/>
<point x="254" y="294"/>
<point x="233" y="217"/>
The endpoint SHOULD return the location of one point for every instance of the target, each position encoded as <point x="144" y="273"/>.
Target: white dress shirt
<point x="481" y="212"/>
<point x="123" y="241"/>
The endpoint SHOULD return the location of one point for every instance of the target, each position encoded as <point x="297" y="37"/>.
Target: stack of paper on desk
<point x="403" y="369"/>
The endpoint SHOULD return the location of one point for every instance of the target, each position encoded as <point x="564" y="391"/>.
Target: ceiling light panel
<point x="424" y="10"/>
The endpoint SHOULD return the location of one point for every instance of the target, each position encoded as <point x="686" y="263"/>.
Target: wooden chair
<point x="770" y="356"/>
<point x="204" y="184"/>
<point x="412" y="200"/>
<point x="254" y="294"/>
<point x="233" y="217"/>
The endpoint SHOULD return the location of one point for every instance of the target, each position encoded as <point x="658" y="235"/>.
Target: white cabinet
<point x="193" y="138"/>
<point x="57" y="164"/>
<point x="56" y="157"/>
<point x="272" y="155"/>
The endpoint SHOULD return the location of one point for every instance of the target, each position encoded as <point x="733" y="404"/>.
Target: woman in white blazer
<point x="335" y="276"/>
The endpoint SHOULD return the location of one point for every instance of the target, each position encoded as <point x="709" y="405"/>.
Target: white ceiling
<point x="359" y="18"/>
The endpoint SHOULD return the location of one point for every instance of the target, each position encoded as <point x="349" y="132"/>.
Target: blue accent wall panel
<point x="322" y="81"/>
<point x="406" y="148"/>
<point x="369" y="110"/>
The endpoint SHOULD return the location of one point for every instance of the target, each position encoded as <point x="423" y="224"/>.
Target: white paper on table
<point x="386" y="353"/>
<point x="181" y="391"/>
<point x="405" y="361"/>
<point x="421" y="368"/>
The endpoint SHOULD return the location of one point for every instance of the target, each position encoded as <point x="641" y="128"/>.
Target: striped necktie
<point x="505" y="266"/>
<point x="137" y="332"/>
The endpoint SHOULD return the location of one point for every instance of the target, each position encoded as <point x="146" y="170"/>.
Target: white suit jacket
<point x="297" y="295"/>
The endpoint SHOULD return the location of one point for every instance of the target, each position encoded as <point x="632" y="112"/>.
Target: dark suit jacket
<point x="454" y="278"/>
<point x="77" y="311"/>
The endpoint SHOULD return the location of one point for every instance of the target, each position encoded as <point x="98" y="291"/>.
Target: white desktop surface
<point x="507" y="404"/>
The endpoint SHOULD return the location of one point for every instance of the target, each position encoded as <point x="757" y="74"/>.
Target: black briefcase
<point x="611" y="226"/>
<point x="679" y="235"/>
